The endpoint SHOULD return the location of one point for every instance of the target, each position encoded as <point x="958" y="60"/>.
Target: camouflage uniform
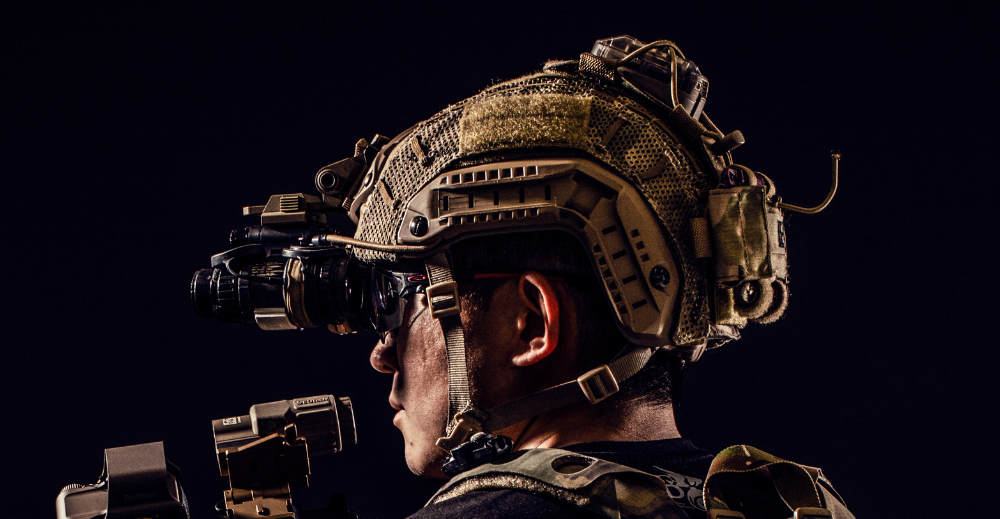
<point x="742" y="482"/>
<point x="608" y="472"/>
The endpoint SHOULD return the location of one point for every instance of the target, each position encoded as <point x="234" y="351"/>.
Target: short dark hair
<point x="562" y="255"/>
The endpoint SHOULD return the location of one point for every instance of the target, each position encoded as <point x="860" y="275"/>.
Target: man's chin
<point x="423" y="457"/>
<point x="425" y="461"/>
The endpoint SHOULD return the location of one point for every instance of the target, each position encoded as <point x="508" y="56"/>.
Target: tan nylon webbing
<point x="439" y="271"/>
<point x="798" y="486"/>
<point x="510" y="413"/>
<point x="438" y="268"/>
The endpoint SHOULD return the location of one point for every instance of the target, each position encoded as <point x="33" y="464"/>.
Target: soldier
<point x="542" y="259"/>
<point x="580" y="234"/>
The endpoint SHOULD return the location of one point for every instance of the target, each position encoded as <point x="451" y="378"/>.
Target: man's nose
<point x="383" y="357"/>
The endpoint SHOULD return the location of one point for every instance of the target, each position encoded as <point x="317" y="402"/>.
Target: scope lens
<point x="239" y="237"/>
<point x="216" y="294"/>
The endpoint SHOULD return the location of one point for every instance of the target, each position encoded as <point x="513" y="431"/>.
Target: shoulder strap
<point x="608" y="489"/>
<point x="745" y="482"/>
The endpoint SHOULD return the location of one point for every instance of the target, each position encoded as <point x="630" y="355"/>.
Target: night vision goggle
<point x="285" y="274"/>
<point x="302" y="286"/>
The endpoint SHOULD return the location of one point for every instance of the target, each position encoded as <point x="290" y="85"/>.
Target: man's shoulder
<point x="502" y="504"/>
<point x="752" y="481"/>
<point x="676" y="462"/>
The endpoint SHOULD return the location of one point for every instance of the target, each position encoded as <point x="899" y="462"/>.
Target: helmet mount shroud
<point x="614" y="149"/>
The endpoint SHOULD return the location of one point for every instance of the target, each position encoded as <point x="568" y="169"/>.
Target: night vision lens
<point x="384" y="292"/>
<point x="305" y="287"/>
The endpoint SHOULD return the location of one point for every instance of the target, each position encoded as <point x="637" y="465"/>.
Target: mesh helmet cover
<point x="553" y="114"/>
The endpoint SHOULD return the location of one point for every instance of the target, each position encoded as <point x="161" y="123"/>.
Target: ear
<point x="537" y="320"/>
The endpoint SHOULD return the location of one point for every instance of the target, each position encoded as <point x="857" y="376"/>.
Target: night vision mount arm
<point x="284" y="274"/>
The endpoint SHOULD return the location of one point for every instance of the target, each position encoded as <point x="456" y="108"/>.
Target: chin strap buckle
<point x="598" y="384"/>
<point x="481" y="448"/>
<point x="465" y="427"/>
<point x="443" y="300"/>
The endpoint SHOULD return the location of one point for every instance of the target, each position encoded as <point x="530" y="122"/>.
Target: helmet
<point x="614" y="149"/>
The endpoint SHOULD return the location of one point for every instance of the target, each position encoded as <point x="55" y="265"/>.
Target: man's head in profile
<point x="527" y="328"/>
<point x="579" y="234"/>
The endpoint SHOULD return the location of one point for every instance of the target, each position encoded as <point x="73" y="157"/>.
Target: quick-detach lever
<point x="835" y="159"/>
<point x="242" y="252"/>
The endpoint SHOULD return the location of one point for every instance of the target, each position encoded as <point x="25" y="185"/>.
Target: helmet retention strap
<point x="446" y="306"/>
<point x="591" y="387"/>
<point x="464" y="418"/>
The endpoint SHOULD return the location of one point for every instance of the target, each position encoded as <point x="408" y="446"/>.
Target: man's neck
<point x="630" y="422"/>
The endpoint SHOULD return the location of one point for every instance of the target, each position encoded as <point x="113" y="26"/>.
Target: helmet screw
<point x="748" y="293"/>
<point x="659" y="277"/>
<point x="418" y="226"/>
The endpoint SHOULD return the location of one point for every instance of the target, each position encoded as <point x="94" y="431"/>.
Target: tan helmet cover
<point x="555" y="150"/>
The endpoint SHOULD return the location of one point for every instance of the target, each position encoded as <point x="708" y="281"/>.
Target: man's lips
<point x="398" y="406"/>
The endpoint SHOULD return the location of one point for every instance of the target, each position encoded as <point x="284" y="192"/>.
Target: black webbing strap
<point x="445" y="305"/>
<point x="593" y="386"/>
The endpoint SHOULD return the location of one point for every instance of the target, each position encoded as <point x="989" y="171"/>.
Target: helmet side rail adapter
<point x="614" y="148"/>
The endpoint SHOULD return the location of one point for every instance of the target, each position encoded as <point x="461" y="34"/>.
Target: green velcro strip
<point x="738" y="217"/>
<point x="525" y="121"/>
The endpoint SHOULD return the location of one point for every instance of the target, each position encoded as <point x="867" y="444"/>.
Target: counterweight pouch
<point x="748" y="483"/>
<point x="748" y="248"/>
<point x="608" y="489"/>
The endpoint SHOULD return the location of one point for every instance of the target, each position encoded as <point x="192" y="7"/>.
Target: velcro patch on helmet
<point x="525" y="121"/>
<point x="739" y="226"/>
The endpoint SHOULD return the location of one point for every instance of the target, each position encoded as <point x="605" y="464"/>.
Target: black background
<point x="132" y="136"/>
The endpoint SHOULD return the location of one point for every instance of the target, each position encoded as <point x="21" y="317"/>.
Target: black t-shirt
<point x="680" y="464"/>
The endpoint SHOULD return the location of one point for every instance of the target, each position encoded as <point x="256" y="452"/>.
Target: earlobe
<point x="540" y="306"/>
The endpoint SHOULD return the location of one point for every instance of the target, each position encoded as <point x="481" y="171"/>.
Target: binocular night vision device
<point x="284" y="274"/>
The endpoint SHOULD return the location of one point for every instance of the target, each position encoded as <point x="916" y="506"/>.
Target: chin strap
<point x="591" y="387"/>
<point x="470" y="443"/>
<point x="446" y="306"/>
<point x="467" y="419"/>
